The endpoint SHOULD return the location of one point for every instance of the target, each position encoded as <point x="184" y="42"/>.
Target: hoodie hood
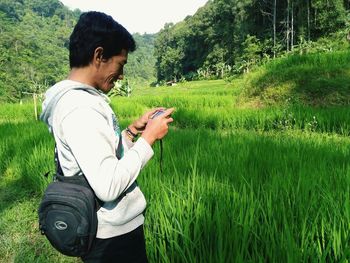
<point x="56" y="92"/>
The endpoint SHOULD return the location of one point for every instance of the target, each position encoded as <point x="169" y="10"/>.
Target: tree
<point x="215" y="37"/>
<point x="252" y="51"/>
<point x="328" y="15"/>
<point x="34" y="47"/>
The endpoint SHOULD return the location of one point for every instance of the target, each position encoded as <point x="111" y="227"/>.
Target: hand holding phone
<point x="157" y="126"/>
<point x="157" y="113"/>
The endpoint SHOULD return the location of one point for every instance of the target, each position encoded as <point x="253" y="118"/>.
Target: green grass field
<point x="241" y="182"/>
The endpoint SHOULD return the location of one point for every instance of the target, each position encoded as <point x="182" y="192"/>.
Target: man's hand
<point x="157" y="128"/>
<point x="139" y="125"/>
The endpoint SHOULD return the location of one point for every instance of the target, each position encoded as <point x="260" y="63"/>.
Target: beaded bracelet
<point x="129" y="131"/>
<point x="132" y="136"/>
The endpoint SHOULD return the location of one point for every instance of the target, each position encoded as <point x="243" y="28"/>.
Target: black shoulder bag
<point x="67" y="213"/>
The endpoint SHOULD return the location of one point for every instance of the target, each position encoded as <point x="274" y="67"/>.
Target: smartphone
<point x="157" y="113"/>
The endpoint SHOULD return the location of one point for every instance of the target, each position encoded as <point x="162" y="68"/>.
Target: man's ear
<point x="98" y="55"/>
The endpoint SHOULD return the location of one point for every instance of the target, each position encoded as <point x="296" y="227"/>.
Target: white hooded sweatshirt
<point x="89" y="142"/>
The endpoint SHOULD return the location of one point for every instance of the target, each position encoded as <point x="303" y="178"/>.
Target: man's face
<point x="111" y="70"/>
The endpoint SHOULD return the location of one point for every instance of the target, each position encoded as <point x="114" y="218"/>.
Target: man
<point x="89" y="140"/>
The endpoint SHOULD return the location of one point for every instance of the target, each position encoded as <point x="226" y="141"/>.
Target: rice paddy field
<point x="239" y="183"/>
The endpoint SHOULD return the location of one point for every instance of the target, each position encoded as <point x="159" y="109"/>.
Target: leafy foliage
<point x="34" y="48"/>
<point x="312" y="79"/>
<point x="227" y="37"/>
<point x="140" y="67"/>
<point x="28" y="43"/>
<point x="121" y="88"/>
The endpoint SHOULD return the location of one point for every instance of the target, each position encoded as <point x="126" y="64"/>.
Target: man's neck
<point x="83" y="75"/>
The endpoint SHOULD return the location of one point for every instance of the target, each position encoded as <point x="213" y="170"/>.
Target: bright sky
<point x="143" y="16"/>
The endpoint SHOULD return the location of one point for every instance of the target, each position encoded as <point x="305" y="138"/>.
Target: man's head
<point x="93" y="30"/>
<point x="101" y="44"/>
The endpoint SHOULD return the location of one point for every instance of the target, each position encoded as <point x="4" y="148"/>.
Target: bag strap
<point x="75" y="179"/>
<point x="57" y="163"/>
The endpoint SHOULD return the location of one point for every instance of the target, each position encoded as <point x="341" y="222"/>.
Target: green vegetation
<point x="315" y="79"/>
<point x="256" y="166"/>
<point x="34" y="48"/>
<point x="225" y="38"/>
<point x="230" y="37"/>
<point x="240" y="183"/>
<point x="30" y="36"/>
<point x="140" y="67"/>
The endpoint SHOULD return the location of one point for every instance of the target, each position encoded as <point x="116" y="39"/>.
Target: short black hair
<point x="96" y="29"/>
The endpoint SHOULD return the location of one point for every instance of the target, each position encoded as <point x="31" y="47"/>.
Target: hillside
<point x="33" y="45"/>
<point x="314" y="79"/>
<point x="34" y="48"/>
<point x="140" y="68"/>
<point x="35" y="37"/>
<point x="319" y="79"/>
<point x="227" y="37"/>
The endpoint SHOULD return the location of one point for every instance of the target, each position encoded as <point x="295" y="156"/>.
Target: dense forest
<point x="34" y="39"/>
<point x="223" y="39"/>
<point x="228" y="37"/>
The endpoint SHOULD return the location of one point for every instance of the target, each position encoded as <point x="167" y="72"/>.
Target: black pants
<point x="128" y="248"/>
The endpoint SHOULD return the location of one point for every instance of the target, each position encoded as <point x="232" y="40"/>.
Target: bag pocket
<point x="67" y="217"/>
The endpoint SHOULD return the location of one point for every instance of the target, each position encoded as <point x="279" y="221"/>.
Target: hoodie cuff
<point x="144" y="150"/>
<point x="127" y="141"/>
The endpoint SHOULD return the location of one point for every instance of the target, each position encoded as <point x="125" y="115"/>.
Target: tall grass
<point x="321" y="79"/>
<point x="238" y="184"/>
<point x="221" y="112"/>
<point x="248" y="197"/>
<point x="17" y="112"/>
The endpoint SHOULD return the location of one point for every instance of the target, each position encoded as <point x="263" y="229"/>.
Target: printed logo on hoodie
<point x="116" y="127"/>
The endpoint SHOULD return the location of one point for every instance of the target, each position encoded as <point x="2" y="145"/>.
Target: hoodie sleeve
<point x="127" y="143"/>
<point x="92" y="142"/>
